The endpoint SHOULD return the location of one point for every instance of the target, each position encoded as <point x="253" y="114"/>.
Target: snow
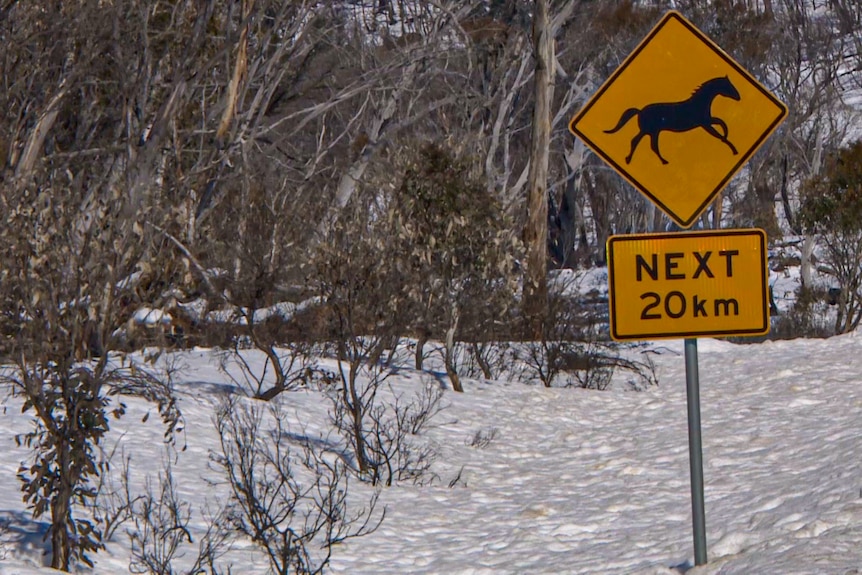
<point x="151" y="317"/>
<point x="574" y="481"/>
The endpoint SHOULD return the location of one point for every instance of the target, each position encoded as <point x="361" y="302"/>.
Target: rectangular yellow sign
<point x="691" y="284"/>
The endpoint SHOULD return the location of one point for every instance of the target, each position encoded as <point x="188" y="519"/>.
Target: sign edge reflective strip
<point x="686" y="334"/>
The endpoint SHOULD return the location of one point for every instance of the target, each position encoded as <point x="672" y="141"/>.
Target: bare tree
<point x="389" y="426"/>
<point x="160" y="531"/>
<point x="360" y="293"/>
<point x="291" y="499"/>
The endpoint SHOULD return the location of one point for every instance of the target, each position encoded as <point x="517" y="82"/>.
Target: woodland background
<point x="334" y="177"/>
<point x="241" y="150"/>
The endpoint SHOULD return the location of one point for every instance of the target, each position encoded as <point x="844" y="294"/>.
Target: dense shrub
<point x="832" y="209"/>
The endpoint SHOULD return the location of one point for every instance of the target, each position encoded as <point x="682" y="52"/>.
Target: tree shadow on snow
<point x="22" y="536"/>
<point x="209" y="388"/>
<point x="321" y="444"/>
<point x="441" y="378"/>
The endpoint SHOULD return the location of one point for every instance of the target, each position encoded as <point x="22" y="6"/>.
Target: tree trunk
<point x="808" y="243"/>
<point x="61" y="505"/>
<point x="482" y="362"/>
<point x="60" y="559"/>
<point x="36" y="141"/>
<point x="349" y="181"/>
<point x="568" y="218"/>
<point x="785" y="199"/>
<point x="421" y="340"/>
<point x="717" y="206"/>
<point x="536" y="230"/>
<point x="240" y="70"/>
<point x="356" y="412"/>
<point x="451" y="370"/>
<point x="353" y="404"/>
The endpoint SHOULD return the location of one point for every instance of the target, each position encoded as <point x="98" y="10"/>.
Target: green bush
<point x="832" y="209"/>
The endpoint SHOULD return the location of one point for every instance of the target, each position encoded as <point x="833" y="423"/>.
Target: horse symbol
<point x="680" y="116"/>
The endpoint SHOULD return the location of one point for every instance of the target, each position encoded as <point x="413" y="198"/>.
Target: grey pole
<point x="695" y="452"/>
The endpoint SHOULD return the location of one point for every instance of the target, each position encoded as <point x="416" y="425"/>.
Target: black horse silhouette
<point x="680" y="116"/>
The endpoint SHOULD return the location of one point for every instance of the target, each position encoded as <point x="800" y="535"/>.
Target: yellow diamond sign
<point x="678" y="118"/>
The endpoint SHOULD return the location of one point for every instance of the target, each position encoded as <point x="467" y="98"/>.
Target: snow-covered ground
<point x="573" y="481"/>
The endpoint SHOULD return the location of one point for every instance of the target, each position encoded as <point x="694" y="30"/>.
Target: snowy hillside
<point x="570" y="481"/>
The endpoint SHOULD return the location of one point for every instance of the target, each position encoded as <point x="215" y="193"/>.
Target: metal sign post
<point x="715" y="115"/>
<point x="695" y="452"/>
